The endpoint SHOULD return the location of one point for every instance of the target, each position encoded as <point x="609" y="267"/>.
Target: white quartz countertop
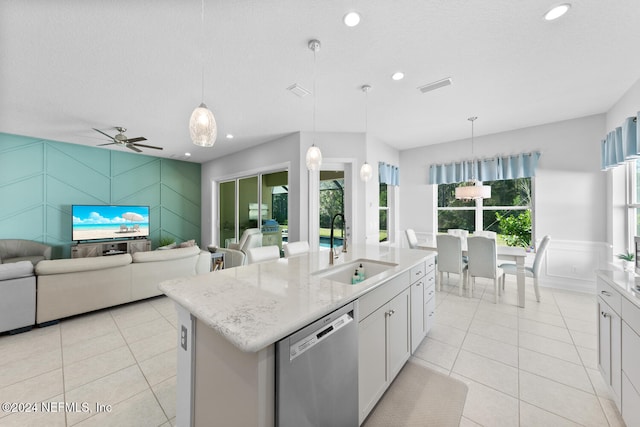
<point x="626" y="283"/>
<point x="256" y="305"/>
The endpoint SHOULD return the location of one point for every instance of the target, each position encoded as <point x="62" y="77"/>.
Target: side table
<point x="217" y="261"/>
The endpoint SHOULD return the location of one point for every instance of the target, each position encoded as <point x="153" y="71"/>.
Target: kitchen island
<point x="229" y="321"/>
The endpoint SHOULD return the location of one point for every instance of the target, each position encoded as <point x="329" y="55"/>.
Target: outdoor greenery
<point x="512" y="225"/>
<point x="331" y="202"/>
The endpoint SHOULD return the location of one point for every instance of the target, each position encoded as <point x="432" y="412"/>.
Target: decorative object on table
<point x="627" y="261"/>
<point x="473" y="189"/>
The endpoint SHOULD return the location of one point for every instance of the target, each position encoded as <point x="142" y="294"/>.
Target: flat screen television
<point x="104" y="222"/>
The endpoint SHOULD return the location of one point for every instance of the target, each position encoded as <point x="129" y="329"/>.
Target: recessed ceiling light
<point x="229" y="136"/>
<point x="399" y="75"/>
<point x="351" y="19"/>
<point x="557" y="11"/>
<point x="187" y="154"/>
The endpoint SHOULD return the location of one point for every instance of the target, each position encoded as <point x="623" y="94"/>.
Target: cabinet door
<point x="604" y="340"/>
<point x="429" y="314"/>
<point x="398" y="341"/>
<point x="138" y="246"/>
<point x="616" y="353"/>
<point x="372" y="362"/>
<point x="417" y="314"/>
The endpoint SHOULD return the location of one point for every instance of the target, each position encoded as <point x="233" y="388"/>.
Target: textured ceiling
<point x="69" y="66"/>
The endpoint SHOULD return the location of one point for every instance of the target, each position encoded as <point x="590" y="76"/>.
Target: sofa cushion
<point x="61" y="266"/>
<point x="178" y="253"/>
<point x="188" y="243"/>
<point x="34" y="259"/>
<point x="15" y="270"/>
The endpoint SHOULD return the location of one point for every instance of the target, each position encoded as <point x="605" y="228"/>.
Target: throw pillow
<point x="188" y="243"/>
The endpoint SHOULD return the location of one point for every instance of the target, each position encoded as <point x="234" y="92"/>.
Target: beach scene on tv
<point x="109" y="222"/>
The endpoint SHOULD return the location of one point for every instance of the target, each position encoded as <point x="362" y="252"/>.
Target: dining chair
<point x="262" y="254"/>
<point x="483" y="262"/>
<point x="533" y="271"/>
<point x="295" y="248"/>
<point x="411" y="238"/>
<point x="486" y="233"/>
<point x="463" y="234"/>
<point x="450" y="258"/>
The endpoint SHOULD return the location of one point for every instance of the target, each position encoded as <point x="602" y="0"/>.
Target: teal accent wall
<point x="41" y="179"/>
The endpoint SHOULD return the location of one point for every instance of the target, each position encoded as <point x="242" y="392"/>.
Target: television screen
<point x="93" y="222"/>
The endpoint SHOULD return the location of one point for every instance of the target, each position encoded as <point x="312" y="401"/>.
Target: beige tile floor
<point x="124" y="357"/>
<point x="535" y="366"/>
<point x="532" y="366"/>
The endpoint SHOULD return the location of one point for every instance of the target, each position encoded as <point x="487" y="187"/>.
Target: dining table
<point x="507" y="253"/>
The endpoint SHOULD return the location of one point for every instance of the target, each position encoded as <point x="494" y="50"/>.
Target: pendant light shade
<point x="473" y="189"/>
<point x="314" y="158"/>
<point x="202" y="127"/>
<point x="366" y="172"/>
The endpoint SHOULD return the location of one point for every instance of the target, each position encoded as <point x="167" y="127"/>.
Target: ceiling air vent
<point x="298" y="90"/>
<point x="435" y="85"/>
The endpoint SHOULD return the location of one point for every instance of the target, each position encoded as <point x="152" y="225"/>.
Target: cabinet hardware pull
<point x="605" y="315"/>
<point x="605" y="293"/>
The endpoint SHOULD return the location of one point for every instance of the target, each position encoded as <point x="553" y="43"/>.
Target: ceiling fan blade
<point x="108" y="136"/>
<point x="148" y="146"/>
<point x="140" y="138"/>
<point x="108" y="143"/>
<point x="131" y="147"/>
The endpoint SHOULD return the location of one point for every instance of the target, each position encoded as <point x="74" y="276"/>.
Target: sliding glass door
<point x="256" y="201"/>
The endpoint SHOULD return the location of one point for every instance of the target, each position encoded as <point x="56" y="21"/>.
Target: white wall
<point x="569" y="191"/>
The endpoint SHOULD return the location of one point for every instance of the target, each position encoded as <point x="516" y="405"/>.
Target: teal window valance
<point x="388" y="174"/>
<point x="498" y="168"/>
<point x="621" y="144"/>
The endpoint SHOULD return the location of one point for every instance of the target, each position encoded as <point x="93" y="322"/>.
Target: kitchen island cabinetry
<point x="229" y="322"/>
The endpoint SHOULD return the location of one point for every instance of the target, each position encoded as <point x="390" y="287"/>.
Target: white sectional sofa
<point x="67" y="287"/>
<point x="17" y="296"/>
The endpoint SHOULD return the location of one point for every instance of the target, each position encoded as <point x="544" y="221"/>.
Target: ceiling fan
<point x="130" y="143"/>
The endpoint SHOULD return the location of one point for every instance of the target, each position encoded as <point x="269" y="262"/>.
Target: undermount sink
<point x="342" y="273"/>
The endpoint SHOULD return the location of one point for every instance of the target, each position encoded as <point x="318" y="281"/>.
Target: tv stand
<point x="112" y="247"/>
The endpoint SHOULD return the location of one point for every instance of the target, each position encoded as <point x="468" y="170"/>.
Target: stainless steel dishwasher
<point x="317" y="373"/>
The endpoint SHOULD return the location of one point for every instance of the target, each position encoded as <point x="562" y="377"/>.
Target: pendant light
<point x="314" y="156"/>
<point x="202" y="125"/>
<point x="366" y="171"/>
<point x="473" y="189"/>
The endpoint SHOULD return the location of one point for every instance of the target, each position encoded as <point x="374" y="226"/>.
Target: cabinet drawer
<point x="431" y="264"/>
<point x="429" y="314"/>
<point x="429" y="291"/>
<point x="370" y="302"/>
<point x="630" y="403"/>
<point x="418" y="272"/>
<point x="631" y="315"/>
<point x="430" y="280"/>
<point x="610" y="296"/>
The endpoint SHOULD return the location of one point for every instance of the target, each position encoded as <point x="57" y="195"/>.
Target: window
<point x="383" y="217"/>
<point x="633" y="201"/>
<point x="507" y="212"/>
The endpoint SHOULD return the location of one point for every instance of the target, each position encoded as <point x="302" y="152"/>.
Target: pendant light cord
<point x="202" y="48"/>
<point x="315" y="93"/>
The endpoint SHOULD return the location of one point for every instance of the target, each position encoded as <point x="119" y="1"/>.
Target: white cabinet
<point x="422" y="302"/>
<point x="384" y="347"/>
<point x="610" y="347"/>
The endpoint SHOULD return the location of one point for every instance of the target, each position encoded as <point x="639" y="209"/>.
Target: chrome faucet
<point x="332" y="254"/>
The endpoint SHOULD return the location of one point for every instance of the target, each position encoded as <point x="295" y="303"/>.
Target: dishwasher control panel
<point x="299" y="347"/>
